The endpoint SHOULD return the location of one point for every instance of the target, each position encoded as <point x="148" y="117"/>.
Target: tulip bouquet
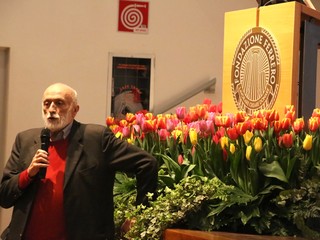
<point x="266" y="169"/>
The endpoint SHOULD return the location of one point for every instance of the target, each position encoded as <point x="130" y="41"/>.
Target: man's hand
<point x="39" y="160"/>
<point x="126" y="226"/>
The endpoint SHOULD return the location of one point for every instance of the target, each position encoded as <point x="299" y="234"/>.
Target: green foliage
<point x="172" y="207"/>
<point x="259" y="174"/>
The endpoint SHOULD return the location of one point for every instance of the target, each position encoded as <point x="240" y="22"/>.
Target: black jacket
<point x="94" y="155"/>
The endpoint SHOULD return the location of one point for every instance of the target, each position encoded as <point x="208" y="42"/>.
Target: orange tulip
<point x="123" y="123"/>
<point x="149" y="125"/>
<point x="222" y="121"/>
<point x="313" y="124"/>
<point x="298" y="125"/>
<point x="130" y="117"/>
<point x="316" y="112"/>
<point x="110" y="121"/>
<point x="149" y="116"/>
<point x="201" y="111"/>
<point x="193" y="114"/>
<point x="161" y="122"/>
<point x="290" y="112"/>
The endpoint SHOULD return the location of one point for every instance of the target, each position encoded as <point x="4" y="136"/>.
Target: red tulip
<point x="219" y="107"/>
<point x="232" y="133"/>
<point x="276" y="126"/>
<point x="285" y="123"/>
<point x="259" y="113"/>
<point x="259" y="123"/>
<point x="242" y="127"/>
<point x="207" y="101"/>
<point x="272" y="115"/>
<point x="212" y="108"/>
<point x="286" y="140"/>
<point x="240" y="116"/>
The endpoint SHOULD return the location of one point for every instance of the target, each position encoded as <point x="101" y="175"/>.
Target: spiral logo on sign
<point x="131" y="16"/>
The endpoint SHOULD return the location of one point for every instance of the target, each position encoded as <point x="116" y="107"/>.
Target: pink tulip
<point x="181" y="112"/>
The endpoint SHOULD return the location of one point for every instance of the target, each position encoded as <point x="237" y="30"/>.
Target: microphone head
<point x="45" y="141"/>
<point x="45" y="138"/>
<point x="45" y="132"/>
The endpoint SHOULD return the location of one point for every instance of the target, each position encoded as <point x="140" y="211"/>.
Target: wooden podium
<point x="183" y="234"/>
<point x="288" y="50"/>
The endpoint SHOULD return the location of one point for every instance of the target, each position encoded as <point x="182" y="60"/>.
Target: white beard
<point x="58" y="123"/>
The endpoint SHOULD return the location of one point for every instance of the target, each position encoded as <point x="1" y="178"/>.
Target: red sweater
<point x="46" y="220"/>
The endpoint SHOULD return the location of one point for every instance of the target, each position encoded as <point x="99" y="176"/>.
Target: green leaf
<point x="172" y="166"/>
<point x="273" y="170"/>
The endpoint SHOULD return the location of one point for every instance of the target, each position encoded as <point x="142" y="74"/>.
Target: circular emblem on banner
<point x="255" y="77"/>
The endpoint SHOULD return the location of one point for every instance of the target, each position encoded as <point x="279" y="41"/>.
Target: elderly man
<point x="74" y="200"/>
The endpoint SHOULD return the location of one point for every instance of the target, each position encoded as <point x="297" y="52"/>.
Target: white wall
<point x="69" y="41"/>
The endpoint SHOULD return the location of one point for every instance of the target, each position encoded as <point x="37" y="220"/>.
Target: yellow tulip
<point x="232" y="148"/>
<point x="307" y="142"/>
<point x="224" y="142"/>
<point x="257" y="143"/>
<point x="247" y="136"/>
<point x="248" y="152"/>
<point x="119" y="135"/>
<point x="177" y="134"/>
<point x="193" y="136"/>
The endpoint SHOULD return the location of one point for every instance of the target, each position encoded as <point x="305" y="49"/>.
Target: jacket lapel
<point x="74" y="150"/>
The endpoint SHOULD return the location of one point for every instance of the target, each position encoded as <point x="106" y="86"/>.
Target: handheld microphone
<point x="45" y="141"/>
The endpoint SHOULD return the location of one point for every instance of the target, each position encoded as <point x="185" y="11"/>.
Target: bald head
<point x="59" y="106"/>
<point x="62" y="89"/>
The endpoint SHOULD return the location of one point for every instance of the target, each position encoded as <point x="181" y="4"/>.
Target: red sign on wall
<point x="133" y="16"/>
